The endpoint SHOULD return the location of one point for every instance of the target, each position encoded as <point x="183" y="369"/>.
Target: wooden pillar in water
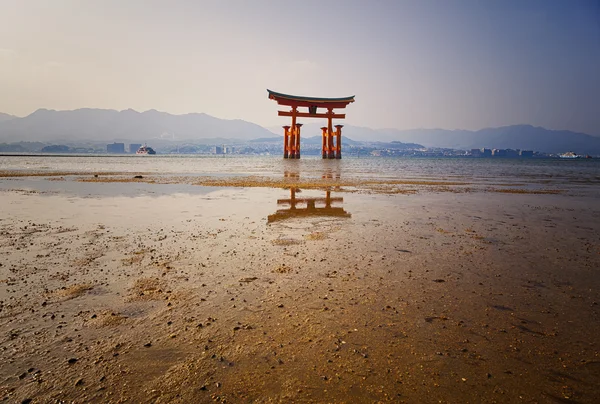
<point x="330" y="152"/>
<point x="324" y="148"/>
<point x="338" y="132"/>
<point x="298" y="126"/>
<point x="286" y="141"/>
<point x="293" y="128"/>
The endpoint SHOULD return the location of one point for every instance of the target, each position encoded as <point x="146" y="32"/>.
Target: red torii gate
<point x="291" y="138"/>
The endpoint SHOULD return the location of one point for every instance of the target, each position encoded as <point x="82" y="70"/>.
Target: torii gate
<point x="291" y="138"/>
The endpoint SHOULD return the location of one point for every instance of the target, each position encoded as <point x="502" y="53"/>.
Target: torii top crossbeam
<point x="291" y="146"/>
<point x="302" y="101"/>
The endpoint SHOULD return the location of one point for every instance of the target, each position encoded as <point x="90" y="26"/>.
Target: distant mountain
<point x="106" y="126"/>
<point x="6" y="117"/>
<point x="110" y="125"/>
<point x="525" y="137"/>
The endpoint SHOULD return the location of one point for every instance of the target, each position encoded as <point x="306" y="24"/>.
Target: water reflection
<point x="331" y="173"/>
<point x="328" y="173"/>
<point x="300" y="207"/>
<point x="291" y="174"/>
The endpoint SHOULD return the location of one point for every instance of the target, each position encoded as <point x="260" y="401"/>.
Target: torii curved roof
<point x="286" y="99"/>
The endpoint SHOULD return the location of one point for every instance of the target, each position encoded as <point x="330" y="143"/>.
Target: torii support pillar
<point x="332" y="149"/>
<point x="325" y="142"/>
<point x="297" y="137"/>
<point x="330" y="146"/>
<point x="286" y="141"/>
<point x="338" y="141"/>
<point x="291" y="142"/>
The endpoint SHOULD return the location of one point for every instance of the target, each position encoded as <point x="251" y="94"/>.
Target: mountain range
<point x="6" y="117"/>
<point x="102" y="125"/>
<point x="524" y="137"/>
<point x="109" y="125"/>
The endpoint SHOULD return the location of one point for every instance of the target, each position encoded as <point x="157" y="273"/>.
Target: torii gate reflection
<point x="311" y="209"/>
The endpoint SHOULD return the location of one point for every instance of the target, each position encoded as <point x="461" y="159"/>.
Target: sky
<point x="411" y="64"/>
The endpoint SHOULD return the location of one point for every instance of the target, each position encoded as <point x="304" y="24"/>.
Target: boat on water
<point x="569" y="155"/>
<point x="145" y="150"/>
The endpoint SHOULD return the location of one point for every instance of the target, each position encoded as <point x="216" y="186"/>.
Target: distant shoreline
<point x="352" y="156"/>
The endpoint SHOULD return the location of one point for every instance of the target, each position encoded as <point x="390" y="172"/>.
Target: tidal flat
<point x="297" y="288"/>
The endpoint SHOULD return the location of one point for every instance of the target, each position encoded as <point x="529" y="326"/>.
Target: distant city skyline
<point x="411" y="64"/>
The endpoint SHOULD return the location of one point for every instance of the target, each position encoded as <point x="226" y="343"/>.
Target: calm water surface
<point x="582" y="171"/>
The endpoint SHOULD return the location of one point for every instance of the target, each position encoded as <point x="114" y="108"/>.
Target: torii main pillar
<point x="291" y="137"/>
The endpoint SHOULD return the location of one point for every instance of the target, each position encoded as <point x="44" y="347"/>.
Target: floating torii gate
<point x="291" y="137"/>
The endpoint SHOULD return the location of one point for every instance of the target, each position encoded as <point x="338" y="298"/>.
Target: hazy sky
<point x="449" y="64"/>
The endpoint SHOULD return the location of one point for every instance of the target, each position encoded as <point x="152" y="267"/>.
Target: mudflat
<point x="155" y="289"/>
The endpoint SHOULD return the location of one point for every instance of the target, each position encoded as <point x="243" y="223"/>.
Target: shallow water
<point x="583" y="171"/>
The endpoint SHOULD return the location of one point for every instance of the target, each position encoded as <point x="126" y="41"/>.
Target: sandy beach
<point x="276" y="202"/>
<point x="162" y="289"/>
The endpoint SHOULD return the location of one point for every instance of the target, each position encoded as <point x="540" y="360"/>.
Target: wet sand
<point x="165" y="291"/>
